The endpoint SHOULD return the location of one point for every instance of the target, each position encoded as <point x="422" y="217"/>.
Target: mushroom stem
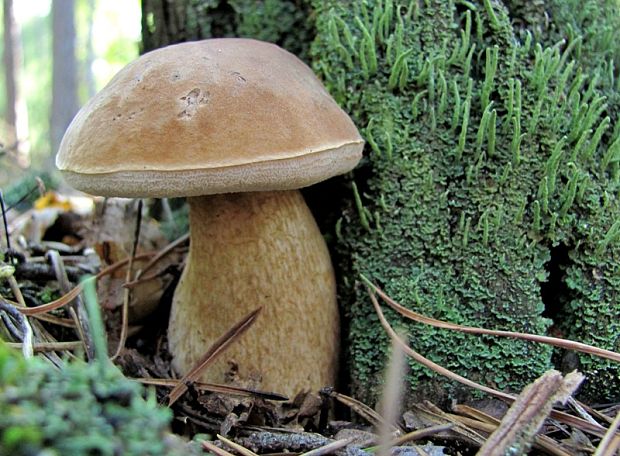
<point x="249" y="250"/>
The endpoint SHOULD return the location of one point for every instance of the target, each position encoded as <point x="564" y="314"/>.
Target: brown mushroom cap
<point x="213" y="116"/>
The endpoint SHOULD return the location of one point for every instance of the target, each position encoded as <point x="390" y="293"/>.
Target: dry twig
<point x="39" y="347"/>
<point x="330" y="448"/>
<point x="127" y="291"/>
<point x="360" y="408"/>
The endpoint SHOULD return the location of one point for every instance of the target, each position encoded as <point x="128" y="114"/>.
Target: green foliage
<point x="79" y="409"/>
<point x="47" y="294"/>
<point x="178" y="225"/>
<point x="36" y="83"/>
<point x="26" y="188"/>
<point x="276" y="21"/>
<point x="489" y="146"/>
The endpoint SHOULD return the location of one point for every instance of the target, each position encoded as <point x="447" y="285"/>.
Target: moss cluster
<point x="76" y="410"/>
<point x="494" y="148"/>
<point x="79" y="408"/>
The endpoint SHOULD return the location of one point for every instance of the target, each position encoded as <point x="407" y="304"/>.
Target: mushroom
<point x="237" y="126"/>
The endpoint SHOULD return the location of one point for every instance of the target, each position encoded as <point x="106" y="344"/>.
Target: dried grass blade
<point x="6" y="227"/>
<point x="584" y="411"/>
<point x="66" y="322"/>
<point x="126" y="291"/>
<point x="580" y="423"/>
<point x="476" y="414"/>
<point x="422" y="434"/>
<point x="554" y="341"/>
<point x="611" y="441"/>
<point x="362" y="410"/>
<point x="215" y="388"/>
<point x="214" y="449"/>
<point x="62" y="301"/>
<point x="472" y="423"/>
<point x="218" y="347"/>
<point x="469" y="429"/>
<point x="235" y="446"/>
<point x="459" y="427"/>
<point x="330" y="448"/>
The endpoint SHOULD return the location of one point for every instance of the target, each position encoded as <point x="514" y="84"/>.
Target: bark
<point x="163" y="23"/>
<point x="64" y="85"/>
<point x="16" y="115"/>
<point x="287" y="23"/>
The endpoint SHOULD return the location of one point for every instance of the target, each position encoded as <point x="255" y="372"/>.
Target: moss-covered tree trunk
<point x="488" y="196"/>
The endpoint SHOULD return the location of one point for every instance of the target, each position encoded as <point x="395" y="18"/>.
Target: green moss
<point x="47" y="294"/>
<point x="591" y="313"/>
<point x="286" y="23"/>
<point x="488" y="147"/>
<point x="79" y="408"/>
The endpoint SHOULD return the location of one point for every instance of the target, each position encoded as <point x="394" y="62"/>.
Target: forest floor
<point x="56" y="239"/>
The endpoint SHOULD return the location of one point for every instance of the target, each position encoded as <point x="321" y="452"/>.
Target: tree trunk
<point x="287" y="23"/>
<point x="16" y="115"/>
<point x="162" y="23"/>
<point x="64" y="85"/>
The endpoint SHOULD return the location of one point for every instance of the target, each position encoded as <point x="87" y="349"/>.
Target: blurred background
<point x="56" y="54"/>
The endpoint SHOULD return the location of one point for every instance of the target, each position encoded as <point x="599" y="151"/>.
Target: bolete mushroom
<point x="236" y="125"/>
